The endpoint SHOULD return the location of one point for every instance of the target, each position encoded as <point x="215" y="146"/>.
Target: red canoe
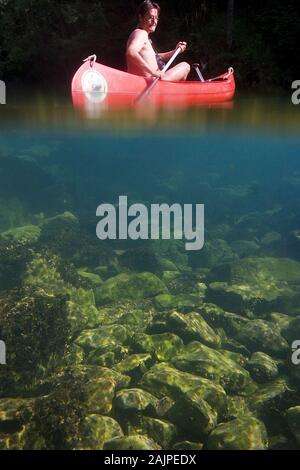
<point x="94" y="83"/>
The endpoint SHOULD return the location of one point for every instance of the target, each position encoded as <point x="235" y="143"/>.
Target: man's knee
<point x="186" y="66"/>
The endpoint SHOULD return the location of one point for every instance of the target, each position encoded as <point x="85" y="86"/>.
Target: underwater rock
<point x="94" y="279"/>
<point x="293" y="244"/>
<point x="129" y="287"/>
<point x="131" y="443"/>
<point x="14" y="413"/>
<point x="161" y="431"/>
<point x="259" y="284"/>
<point x="261" y="335"/>
<point x="213" y="365"/>
<point x="135" y="365"/>
<point x="262" y="367"/>
<point x="93" y="338"/>
<point x="165" y="380"/>
<point x="187" y="445"/>
<point x="98" y="429"/>
<point x="244" y="433"/>
<point x="36" y="331"/>
<point x="13" y="261"/>
<point x="271" y="244"/>
<point x="191" y="326"/>
<point x="135" y="400"/>
<point x="180" y="301"/>
<point x="271" y="398"/>
<point x="218" y="318"/>
<point x="292" y="416"/>
<point x="162" y="346"/>
<point x="237" y="407"/>
<point x="28" y="234"/>
<point x="213" y="253"/>
<point x="193" y="416"/>
<point x="61" y="233"/>
<point x="136" y="319"/>
<point x="172" y="250"/>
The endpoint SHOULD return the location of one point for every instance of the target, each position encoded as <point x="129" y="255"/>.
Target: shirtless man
<point x="141" y="57"/>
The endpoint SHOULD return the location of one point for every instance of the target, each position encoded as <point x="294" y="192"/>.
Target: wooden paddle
<point x="152" y="84"/>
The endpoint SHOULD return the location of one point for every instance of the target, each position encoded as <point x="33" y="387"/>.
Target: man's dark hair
<point x="146" y="6"/>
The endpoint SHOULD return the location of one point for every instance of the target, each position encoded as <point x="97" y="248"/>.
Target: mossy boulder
<point x="160" y="430"/>
<point x="14" y="413"/>
<point x="180" y="301"/>
<point x="244" y="433"/>
<point x="262" y="367"/>
<point x="14" y="257"/>
<point x="135" y="442"/>
<point x="61" y="233"/>
<point x="214" y="252"/>
<point x="187" y="445"/>
<point x="129" y="287"/>
<point x="93" y="279"/>
<point x="136" y="319"/>
<point x="292" y="416"/>
<point x="162" y="346"/>
<point x="94" y="338"/>
<point x="193" y="416"/>
<point x="259" y="284"/>
<point x="214" y="365"/>
<point x="191" y="326"/>
<point x="261" y="335"/>
<point x="135" y="365"/>
<point x="272" y="398"/>
<point x="135" y="400"/>
<point x="27" y="234"/>
<point x="98" y="429"/>
<point x="219" y="318"/>
<point x="164" y="380"/>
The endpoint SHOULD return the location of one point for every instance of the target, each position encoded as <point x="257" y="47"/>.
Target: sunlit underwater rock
<point x="258" y="284"/>
<point x="161" y="431"/>
<point x="261" y="335"/>
<point x="214" y="365"/>
<point x="129" y="286"/>
<point x="244" y="433"/>
<point x="180" y="301"/>
<point x="14" y="257"/>
<point x="98" y="429"/>
<point x="135" y="442"/>
<point x="214" y="252"/>
<point x="135" y="365"/>
<point x="135" y="400"/>
<point x="272" y="397"/>
<point x="162" y="346"/>
<point x="26" y="234"/>
<point x="191" y="326"/>
<point x="61" y="233"/>
<point x="262" y="367"/>
<point x="218" y="318"/>
<point x="292" y="416"/>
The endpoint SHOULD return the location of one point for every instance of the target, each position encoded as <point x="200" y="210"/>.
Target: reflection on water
<point x="140" y="344"/>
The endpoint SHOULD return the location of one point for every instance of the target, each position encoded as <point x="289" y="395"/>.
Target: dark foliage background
<point x="44" y="41"/>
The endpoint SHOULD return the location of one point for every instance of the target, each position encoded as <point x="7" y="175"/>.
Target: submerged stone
<point x="162" y="346"/>
<point x="244" y="433"/>
<point x="129" y="287"/>
<point x="25" y="234"/>
<point x="261" y="335"/>
<point x="135" y="365"/>
<point x="292" y="416"/>
<point x="99" y="429"/>
<point x="262" y="367"/>
<point x="161" y="431"/>
<point x="214" y="365"/>
<point x="136" y="442"/>
<point x="191" y="326"/>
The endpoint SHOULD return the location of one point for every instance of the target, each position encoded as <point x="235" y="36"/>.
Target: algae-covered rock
<point x="292" y="416"/>
<point x="94" y="279"/>
<point x="214" y="365"/>
<point x="191" y="326"/>
<point x="272" y="397"/>
<point x="95" y="338"/>
<point x="162" y="346"/>
<point x="218" y="318"/>
<point x="187" y="445"/>
<point x="25" y="234"/>
<point x="244" y="433"/>
<point x="136" y="319"/>
<point x="262" y="367"/>
<point x="161" y="431"/>
<point x="129" y="287"/>
<point x="98" y="429"/>
<point x="164" y="380"/>
<point x="135" y="365"/>
<point x="180" y="301"/>
<point x="237" y="407"/>
<point x="261" y="284"/>
<point x="135" y="442"/>
<point x="261" y="335"/>
<point x="14" y="257"/>
<point x="135" y="400"/>
<point x="61" y="233"/>
<point x="193" y="415"/>
<point x="14" y="413"/>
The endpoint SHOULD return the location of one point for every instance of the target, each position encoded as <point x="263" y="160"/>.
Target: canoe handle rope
<point x="92" y="59"/>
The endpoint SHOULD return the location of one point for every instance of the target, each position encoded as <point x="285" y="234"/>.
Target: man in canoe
<point x="141" y="57"/>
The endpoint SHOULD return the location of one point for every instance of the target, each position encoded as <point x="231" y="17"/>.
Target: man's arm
<point x="165" y="56"/>
<point x="136" y="43"/>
